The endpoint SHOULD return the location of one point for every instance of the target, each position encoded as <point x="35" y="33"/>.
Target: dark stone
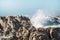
<point x="55" y="33"/>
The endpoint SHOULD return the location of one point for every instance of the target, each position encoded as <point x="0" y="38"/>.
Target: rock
<point x="15" y="28"/>
<point x="21" y="28"/>
<point x="39" y="34"/>
<point x="55" y="33"/>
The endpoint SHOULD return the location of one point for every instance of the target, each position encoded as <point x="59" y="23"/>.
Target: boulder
<point x="55" y="33"/>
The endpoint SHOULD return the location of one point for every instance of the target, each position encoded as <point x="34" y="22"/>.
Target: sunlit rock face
<point x="15" y="28"/>
<point x="21" y="28"/>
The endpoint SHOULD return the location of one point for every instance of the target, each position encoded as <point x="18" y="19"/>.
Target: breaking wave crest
<point x="40" y="19"/>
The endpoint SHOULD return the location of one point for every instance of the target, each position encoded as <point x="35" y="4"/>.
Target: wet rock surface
<point x="20" y="28"/>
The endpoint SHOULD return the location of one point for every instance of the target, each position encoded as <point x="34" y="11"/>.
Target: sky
<point x="28" y="7"/>
<point x="39" y="11"/>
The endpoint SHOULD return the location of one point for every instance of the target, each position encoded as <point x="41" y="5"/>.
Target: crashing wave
<point x="40" y="19"/>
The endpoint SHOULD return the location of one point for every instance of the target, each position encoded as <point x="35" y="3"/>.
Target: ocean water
<point x="40" y="19"/>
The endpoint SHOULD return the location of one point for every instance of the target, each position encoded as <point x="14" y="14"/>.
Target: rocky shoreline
<point x="20" y="28"/>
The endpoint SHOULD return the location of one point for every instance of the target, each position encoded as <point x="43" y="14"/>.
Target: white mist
<point x="39" y="18"/>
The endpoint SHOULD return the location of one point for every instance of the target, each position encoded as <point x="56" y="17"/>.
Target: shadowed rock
<point x="55" y="33"/>
<point x="39" y="34"/>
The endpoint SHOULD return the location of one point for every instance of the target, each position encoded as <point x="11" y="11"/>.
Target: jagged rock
<point x="55" y="33"/>
<point x="20" y="28"/>
<point x="15" y="27"/>
<point x="39" y="34"/>
<point x="48" y="32"/>
<point x="1" y="30"/>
